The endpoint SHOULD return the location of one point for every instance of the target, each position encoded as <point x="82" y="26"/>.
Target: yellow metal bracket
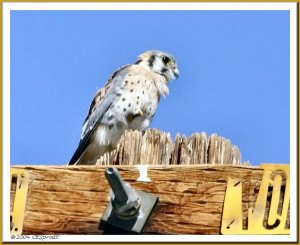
<point x="19" y="180"/>
<point x="232" y="219"/>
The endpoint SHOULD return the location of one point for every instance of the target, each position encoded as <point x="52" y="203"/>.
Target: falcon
<point x="128" y="101"/>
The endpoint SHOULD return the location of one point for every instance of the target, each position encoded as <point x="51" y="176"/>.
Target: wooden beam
<point x="71" y="200"/>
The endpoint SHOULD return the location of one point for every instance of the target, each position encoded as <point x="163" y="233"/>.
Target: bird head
<point x="160" y="62"/>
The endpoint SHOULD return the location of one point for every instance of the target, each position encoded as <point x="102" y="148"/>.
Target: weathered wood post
<point x="189" y="175"/>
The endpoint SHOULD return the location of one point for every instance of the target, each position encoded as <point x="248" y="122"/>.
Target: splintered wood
<point x="158" y="148"/>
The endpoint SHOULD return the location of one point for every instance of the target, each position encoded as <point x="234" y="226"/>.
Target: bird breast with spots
<point x="136" y="103"/>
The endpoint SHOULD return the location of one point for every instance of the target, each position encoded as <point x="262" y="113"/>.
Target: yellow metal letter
<point x="21" y="188"/>
<point x="232" y="220"/>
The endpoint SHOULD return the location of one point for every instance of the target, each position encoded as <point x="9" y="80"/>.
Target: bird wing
<point x="101" y="103"/>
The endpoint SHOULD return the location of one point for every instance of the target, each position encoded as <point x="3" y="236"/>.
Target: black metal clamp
<point x="128" y="209"/>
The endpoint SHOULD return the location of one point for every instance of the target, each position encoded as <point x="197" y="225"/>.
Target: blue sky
<point x="234" y="76"/>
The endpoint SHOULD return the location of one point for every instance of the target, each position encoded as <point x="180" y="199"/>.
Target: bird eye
<point x="165" y="59"/>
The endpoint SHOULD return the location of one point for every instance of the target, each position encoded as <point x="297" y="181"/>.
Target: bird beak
<point x="176" y="73"/>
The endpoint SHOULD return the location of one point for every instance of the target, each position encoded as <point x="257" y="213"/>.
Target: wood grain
<point x="71" y="199"/>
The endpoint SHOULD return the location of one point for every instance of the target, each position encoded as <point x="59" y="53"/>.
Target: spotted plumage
<point x="129" y="100"/>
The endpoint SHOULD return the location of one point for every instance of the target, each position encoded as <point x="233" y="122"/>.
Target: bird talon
<point x="140" y="112"/>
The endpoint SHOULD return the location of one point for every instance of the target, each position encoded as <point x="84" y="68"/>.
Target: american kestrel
<point x="128" y="101"/>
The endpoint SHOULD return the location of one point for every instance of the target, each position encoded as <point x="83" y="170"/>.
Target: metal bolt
<point x="125" y="200"/>
<point x="117" y="184"/>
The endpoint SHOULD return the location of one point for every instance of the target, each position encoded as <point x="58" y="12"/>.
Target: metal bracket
<point x="19" y="180"/>
<point x="128" y="210"/>
<point x="232" y="220"/>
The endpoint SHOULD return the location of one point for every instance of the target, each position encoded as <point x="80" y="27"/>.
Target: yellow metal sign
<point x="19" y="180"/>
<point x="232" y="220"/>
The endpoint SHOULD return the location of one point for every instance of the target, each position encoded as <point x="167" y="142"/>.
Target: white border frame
<point x="292" y="7"/>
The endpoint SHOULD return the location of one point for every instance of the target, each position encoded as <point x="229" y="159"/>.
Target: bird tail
<point x="80" y="151"/>
<point x="90" y="155"/>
